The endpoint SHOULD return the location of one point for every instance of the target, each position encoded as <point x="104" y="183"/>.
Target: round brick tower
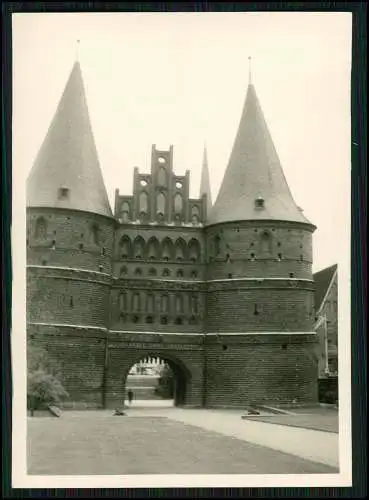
<point x="70" y="232"/>
<point x="260" y="296"/>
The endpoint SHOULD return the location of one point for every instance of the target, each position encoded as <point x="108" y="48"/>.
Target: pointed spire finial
<point x="250" y="79"/>
<point x="77" y="50"/>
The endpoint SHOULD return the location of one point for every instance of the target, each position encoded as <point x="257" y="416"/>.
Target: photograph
<point x="181" y="249"/>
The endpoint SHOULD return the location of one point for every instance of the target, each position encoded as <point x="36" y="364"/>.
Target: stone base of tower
<point x="270" y="369"/>
<point x="77" y="356"/>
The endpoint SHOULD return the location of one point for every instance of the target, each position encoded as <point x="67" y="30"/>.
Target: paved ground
<point x="99" y="443"/>
<point x="325" y="422"/>
<point x="309" y="444"/>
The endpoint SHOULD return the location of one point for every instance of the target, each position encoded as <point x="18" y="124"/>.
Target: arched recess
<point x="167" y="250"/>
<point x="126" y="211"/>
<point x="150" y="303"/>
<point x="143" y="203"/>
<point x="194" y="250"/>
<point x="41" y="228"/>
<point x="138" y="248"/>
<point x="195" y="215"/>
<point x="123" y="302"/>
<point x="217" y="245"/>
<point x="125" y="247"/>
<point x="180" y="249"/>
<point x="160" y="204"/>
<point x="164" y="304"/>
<point x="162" y="176"/>
<point x="153" y="249"/>
<point x="178" y="304"/>
<point x="266" y="244"/>
<point x="95" y="234"/>
<point x="178" y="204"/>
<point x="182" y="376"/>
<point x="136" y="302"/>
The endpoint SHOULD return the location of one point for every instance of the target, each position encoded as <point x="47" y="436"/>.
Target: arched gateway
<point x="179" y="374"/>
<point x="225" y="293"/>
<point x="184" y="359"/>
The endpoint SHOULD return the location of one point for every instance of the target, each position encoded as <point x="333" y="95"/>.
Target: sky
<point x="181" y="79"/>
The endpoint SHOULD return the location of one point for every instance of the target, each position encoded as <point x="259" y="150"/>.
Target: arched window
<point x="266" y="243"/>
<point x="195" y="215"/>
<point x="126" y="211"/>
<point x="194" y="304"/>
<point x="162" y="176"/>
<point x="167" y="249"/>
<point x="125" y="247"/>
<point x="179" y="304"/>
<point x="136" y="302"/>
<point x="150" y="303"/>
<point x="194" y="250"/>
<point x="138" y="272"/>
<point x="123" y="301"/>
<point x="152" y="272"/>
<point x="153" y="249"/>
<point x="166" y="272"/>
<point x="123" y="271"/>
<point x="180" y="273"/>
<point x="180" y="248"/>
<point x="41" y="228"/>
<point x="178" y="203"/>
<point x="95" y="234"/>
<point x="160" y="204"/>
<point x="217" y="245"/>
<point x="139" y="248"/>
<point x="143" y="203"/>
<point x="164" y="306"/>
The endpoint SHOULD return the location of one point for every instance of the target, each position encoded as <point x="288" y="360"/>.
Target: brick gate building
<point x="223" y="293"/>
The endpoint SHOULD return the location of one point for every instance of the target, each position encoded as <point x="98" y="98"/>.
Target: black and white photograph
<point x="181" y="249"/>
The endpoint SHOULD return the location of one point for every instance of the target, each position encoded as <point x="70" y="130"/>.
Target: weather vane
<point x="77" y="50"/>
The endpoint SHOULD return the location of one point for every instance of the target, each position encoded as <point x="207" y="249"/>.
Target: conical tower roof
<point x="205" y="181"/>
<point x="254" y="186"/>
<point x="66" y="172"/>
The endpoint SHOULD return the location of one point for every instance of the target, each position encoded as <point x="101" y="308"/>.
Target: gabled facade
<point x="224" y="294"/>
<point x="326" y="326"/>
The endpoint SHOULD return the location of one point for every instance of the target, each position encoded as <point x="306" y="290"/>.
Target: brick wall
<point x="69" y="239"/>
<point x="260" y="369"/>
<point x="267" y="250"/>
<point x="252" y="306"/>
<point x="69" y="282"/>
<point x="55" y="296"/>
<point x="79" y="355"/>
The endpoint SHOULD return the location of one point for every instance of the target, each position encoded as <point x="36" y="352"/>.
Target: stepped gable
<point x="66" y="172"/>
<point x="254" y="186"/>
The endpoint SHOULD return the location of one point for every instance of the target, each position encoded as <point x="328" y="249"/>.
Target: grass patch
<point x="103" y="445"/>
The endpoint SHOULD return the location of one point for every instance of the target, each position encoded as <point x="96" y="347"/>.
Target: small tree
<point x="43" y="384"/>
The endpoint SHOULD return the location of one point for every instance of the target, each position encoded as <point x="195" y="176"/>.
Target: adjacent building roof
<point x="66" y="172"/>
<point x="254" y="186"/>
<point x="205" y="182"/>
<point x="322" y="281"/>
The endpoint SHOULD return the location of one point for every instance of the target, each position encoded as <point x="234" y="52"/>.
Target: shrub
<point x="43" y="384"/>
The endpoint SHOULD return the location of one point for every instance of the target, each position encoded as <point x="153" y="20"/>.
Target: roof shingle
<point x="254" y="171"/>
<point x="66" y="172"/>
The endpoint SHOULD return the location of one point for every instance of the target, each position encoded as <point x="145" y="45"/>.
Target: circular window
<point x="161" y="160"/>
<point x="143" y="182"/>
<point x="178" y="185"/>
